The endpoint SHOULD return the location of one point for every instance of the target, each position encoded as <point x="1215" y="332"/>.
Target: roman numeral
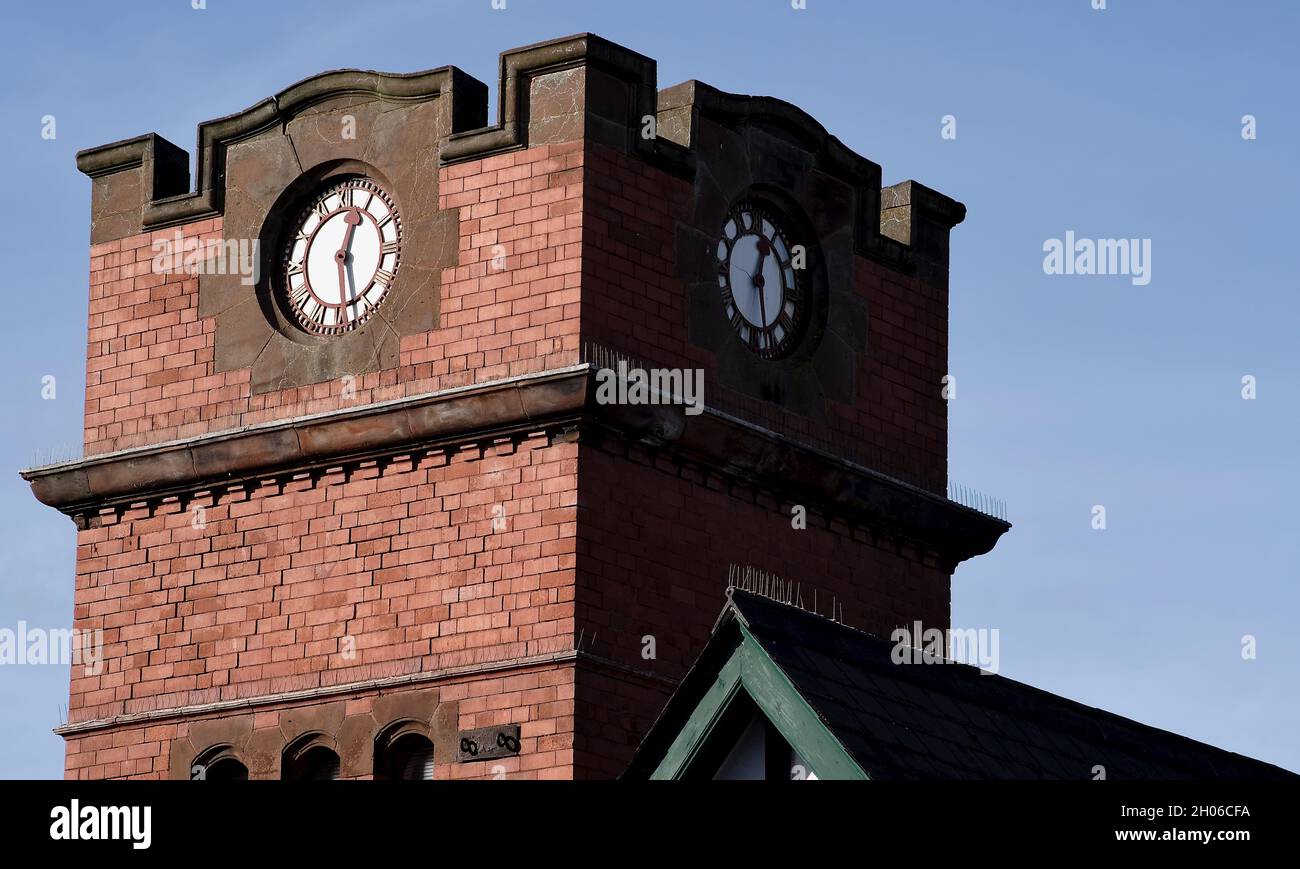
<point x="389" y="247"/>
<point x="384" y="277"/>
<point x="345" y="196"/>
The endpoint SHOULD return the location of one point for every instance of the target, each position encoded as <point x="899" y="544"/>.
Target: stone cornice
<point x="562" y="399"/>
<point x="183" y="467"/>
<point x="797" y="473"/>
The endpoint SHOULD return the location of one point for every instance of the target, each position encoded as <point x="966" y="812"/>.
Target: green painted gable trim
<point x="748" y="668"/>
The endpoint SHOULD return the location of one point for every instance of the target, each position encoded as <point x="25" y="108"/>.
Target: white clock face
<point x="342" y="256"/>
<point x="761" y="292"/>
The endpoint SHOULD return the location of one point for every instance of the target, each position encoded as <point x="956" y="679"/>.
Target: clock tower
<point x="352" y="504"/>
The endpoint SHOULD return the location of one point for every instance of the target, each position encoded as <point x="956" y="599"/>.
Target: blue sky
<point x="1073" y="391"/>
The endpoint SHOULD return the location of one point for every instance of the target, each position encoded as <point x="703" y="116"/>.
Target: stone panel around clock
<point x="267" y="178"/>
<point x="753" y="162"/>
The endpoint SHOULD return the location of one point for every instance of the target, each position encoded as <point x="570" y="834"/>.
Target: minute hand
<point x="763" y="250"/>
<point x="353" y="220"/>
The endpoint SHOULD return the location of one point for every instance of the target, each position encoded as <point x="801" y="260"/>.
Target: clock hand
<point x="353" y="220"/>
<point x="763" y="250"/>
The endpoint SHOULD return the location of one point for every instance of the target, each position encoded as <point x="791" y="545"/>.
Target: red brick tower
<point x="406" y="535"/>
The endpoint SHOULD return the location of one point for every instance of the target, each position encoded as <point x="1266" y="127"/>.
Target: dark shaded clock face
<point x="341" y="256"/>
<point x="762" y="295"/>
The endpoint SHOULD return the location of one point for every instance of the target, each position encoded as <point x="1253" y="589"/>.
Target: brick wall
<point x="635" y="301"/>
<point x="656" y="539"/>
<point x="260" y="598"/>
<point x="150" y="368"/>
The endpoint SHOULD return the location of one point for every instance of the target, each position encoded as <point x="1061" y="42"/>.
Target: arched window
<point x="310" y="758"/>
<point x="404" y="752"/>
<point x="218" y="763"/>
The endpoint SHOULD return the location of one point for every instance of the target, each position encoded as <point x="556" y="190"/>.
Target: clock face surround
<point x="341" y="256"/>
<point x="762" y="292"/>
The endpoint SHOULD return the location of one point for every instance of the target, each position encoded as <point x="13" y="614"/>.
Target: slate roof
<point x="949" y="721"/>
